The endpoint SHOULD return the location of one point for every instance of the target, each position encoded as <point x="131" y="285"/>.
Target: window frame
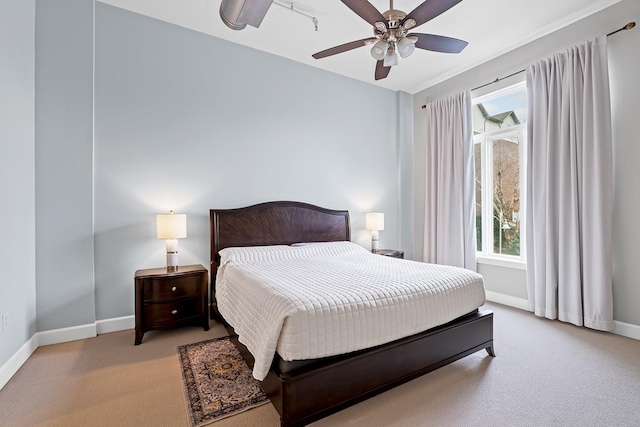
<point x="487" y="254"/>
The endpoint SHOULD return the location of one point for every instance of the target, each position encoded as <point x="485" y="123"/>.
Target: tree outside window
<point x="499" y="122"/>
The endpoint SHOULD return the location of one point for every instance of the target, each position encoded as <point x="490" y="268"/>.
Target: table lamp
<point x="375" y="223"/>
<point x="171" y="227"/>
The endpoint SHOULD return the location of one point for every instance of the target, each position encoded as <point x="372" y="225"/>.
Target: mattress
<point x="316" y="300"/>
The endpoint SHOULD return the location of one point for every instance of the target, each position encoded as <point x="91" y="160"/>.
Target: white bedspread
<point x="323" y="299"/>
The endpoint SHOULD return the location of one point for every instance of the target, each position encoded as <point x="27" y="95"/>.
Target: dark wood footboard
<point x="306" y="392"/>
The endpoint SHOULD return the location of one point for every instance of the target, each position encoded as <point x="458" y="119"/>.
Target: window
<point x="499" y="130"/>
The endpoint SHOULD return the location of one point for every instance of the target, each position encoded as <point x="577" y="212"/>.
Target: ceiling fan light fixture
<point x="381" y="27"/>
<point x="390" y="59"/>
<point x="409" y="24"/>
<point x="391" y="37"/>
<point x="406" y="47"/>
<point x="379" y="50"/>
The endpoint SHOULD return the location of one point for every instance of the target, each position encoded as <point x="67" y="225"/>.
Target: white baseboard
<point x="626" y="330"/>
<point x="14" y="363"/>
<point x="124" y="323"/>
<point x="58" y="336"/>
<point x="116" y="324"/>
<point x="509" y="300"/>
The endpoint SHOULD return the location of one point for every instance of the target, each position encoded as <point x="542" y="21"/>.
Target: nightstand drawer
<point x="165" y="299"/>
<point x="166" y="314"/>
<point x="162" y="290"/>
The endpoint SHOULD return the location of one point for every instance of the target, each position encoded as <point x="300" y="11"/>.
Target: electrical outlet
<point x="5" y="321"/>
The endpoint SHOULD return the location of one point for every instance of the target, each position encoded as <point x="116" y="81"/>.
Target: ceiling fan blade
<point x="439" y="43"/>
<point x="429" y="9"/>
<point x="366" y="11"/>
<point x="342" y="48"/>
<point x="381" y="71"/>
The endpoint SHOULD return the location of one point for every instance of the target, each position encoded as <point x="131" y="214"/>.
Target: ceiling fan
<point x="391" y="33"/>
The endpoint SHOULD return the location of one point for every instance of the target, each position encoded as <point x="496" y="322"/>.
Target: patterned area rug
<point x="217" y="381"/>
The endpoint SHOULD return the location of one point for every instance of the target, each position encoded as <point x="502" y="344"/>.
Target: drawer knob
<point x="174" y="289"/>
<point x="174" y="312"/>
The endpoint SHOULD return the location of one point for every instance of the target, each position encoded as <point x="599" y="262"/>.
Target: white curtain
<point x="570" y="187"/>
<point x="450" y="232"/>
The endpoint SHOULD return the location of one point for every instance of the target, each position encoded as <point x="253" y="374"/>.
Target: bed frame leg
<point x="491" y="351"/>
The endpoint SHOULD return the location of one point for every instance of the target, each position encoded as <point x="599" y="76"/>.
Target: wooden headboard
<point x="275" y="223"/>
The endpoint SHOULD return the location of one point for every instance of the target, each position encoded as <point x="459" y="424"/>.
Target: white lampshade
<point x="379" y="50"/>
<point x="172" y="226"/>
<point x="405" y="47"/>
<point x="390" y="59"/>
<point x="375" y="221"/>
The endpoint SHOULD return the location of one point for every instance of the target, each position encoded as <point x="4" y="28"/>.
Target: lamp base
<point x="172" y="261"/>
<point x="374" y="246"/>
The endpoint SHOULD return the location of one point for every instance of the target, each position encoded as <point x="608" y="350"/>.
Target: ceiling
<point x="492" y="27"/>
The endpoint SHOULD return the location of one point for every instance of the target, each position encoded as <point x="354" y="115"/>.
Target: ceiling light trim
<point x="519" y="42"/>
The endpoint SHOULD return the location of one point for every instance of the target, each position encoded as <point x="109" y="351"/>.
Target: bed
<point x="303" y="391"/>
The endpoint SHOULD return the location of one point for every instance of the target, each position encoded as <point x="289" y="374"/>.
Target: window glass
<point x="499" y="127"/>
<point x="503" y="112"/>
<point x="478" y="179"/>
<point x="506" y="195"/>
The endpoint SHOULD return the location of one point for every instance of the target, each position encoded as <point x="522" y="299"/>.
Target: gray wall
<point x="624" y="74"/>
<point x="189" y="122"/>
<point x="624" y="62"/>
<point x="405" y="175"/>
<point x="64" y="157"/>
<point x="17" y="188"/>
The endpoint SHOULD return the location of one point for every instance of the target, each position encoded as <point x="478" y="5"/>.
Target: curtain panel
<point x="569" y="189"/>
<point x="450" y="232"/>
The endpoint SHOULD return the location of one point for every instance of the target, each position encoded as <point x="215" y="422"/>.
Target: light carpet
<point x="545" y="373"/>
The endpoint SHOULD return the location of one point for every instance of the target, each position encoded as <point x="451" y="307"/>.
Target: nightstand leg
<point x="139" y="335"/>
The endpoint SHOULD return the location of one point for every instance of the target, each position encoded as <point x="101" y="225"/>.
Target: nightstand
<point x="169" y="299"/>
<point x="390" y="252"/>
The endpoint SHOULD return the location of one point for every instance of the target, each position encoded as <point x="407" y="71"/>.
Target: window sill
<point x="501" y="262"/>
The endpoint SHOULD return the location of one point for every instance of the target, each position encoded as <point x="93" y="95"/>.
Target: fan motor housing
<point x="394" y="17"/>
